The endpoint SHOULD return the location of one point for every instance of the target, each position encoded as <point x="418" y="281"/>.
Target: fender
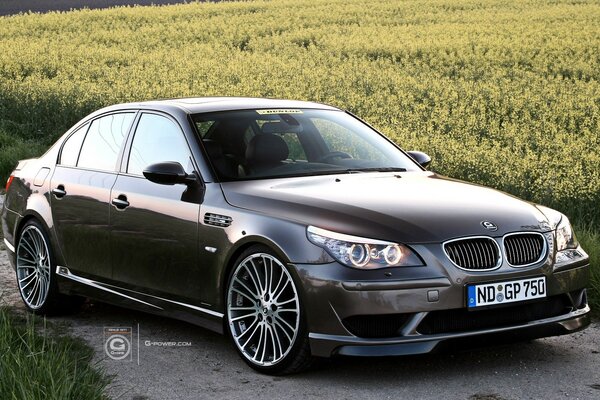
<point x="38" y="207"/>
<point x="274" y="235"/>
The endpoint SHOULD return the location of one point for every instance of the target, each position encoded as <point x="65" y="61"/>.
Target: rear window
<point x="72" y="146"/>
<point x="103" y="141"/>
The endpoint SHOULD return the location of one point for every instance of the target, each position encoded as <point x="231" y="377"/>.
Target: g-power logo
<point x="117" y="343"/>
<point x="490" y="226"/>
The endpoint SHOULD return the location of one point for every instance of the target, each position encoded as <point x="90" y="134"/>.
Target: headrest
<point x="213" y="149"/>
<point x="231" y="136"/>
<point x="266" y="149"/>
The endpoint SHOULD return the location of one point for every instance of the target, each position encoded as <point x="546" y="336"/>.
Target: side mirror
<point x="423" y="159"/>
<point x="168" y="173"/>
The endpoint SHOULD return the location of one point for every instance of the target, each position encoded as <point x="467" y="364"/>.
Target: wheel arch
<point x="40" y="211"/>
<point x="239" y="248"/>
<point x="287" y="240"/>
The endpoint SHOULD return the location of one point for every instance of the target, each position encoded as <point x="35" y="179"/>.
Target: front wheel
<point x="264" y="314"/>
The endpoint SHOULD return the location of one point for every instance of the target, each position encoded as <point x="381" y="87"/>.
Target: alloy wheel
<point x="263" y="309"/>
<point x="33" y="267"/>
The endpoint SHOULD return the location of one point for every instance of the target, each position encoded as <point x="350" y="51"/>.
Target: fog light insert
<point x="376" y="326"/>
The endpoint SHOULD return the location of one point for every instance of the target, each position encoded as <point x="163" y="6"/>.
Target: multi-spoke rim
<point x="33" y="267"/>
<point x="263" y="309"/>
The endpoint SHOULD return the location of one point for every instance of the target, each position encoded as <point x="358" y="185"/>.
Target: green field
<point x="504" y="93"/>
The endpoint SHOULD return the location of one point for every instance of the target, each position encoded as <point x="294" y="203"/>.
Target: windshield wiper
<point x="376" y="169"/>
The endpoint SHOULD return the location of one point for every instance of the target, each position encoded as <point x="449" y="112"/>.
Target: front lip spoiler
<point x="324" y="345"/>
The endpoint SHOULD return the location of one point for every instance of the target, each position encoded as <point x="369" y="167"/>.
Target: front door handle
<point x="59" y="191"/>
<point x="120" y="202"/>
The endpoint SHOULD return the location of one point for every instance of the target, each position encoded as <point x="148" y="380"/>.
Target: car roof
<point x="195" y="105"/>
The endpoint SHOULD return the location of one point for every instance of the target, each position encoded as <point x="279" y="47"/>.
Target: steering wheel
<point x="334" y="154"/>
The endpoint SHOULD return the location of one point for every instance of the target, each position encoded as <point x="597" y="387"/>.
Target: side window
<point x="72" y="146"/>
<point x="157" y="139"/>
<point x="103" y="142"/>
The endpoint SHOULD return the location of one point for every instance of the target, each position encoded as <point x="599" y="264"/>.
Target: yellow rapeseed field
<point x="504" y="93"/>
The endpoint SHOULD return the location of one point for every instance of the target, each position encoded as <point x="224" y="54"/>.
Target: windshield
<point x="277" y="143"/>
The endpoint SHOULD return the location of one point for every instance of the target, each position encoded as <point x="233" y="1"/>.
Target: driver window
<point x="157" y="139"/>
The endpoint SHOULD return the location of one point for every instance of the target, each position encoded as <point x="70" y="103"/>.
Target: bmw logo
<point x="490" y="226"/>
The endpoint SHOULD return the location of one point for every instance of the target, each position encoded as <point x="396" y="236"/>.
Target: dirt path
<point x="201" y="364"/>
<point x="8" y="7"/>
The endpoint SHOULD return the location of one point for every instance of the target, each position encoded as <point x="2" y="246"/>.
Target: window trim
<point x="63" y="144"/>
<point x="89" y="121"/>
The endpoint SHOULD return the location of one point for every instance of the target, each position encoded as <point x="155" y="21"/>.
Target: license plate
<point x="489" y="294"/>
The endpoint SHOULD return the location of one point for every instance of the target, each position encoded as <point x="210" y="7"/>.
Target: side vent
<point x="217" y="220"/>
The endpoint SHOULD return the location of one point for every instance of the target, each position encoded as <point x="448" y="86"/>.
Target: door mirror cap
<point x="168" y="173"/>
<point x="423" y="159"/>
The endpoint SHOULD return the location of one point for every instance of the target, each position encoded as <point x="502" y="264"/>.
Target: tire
<point x="36" y="275"/>
<point x="264" y="314"/>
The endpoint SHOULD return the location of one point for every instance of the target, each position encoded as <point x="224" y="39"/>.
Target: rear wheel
<point x="36" y="277"/>
<point x="264" y="314"/>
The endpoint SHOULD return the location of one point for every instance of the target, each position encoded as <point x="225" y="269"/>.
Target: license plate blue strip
<point x="472" y="299"/>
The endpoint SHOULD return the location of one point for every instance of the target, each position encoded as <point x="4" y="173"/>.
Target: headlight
<point x="363" y="253"/>
<point x="567" y="247"/>
<point x="565" y="237"/>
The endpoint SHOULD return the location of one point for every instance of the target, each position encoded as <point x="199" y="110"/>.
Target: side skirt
<point x="74" y="284"/>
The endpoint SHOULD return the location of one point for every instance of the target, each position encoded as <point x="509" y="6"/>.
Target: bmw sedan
<point x="294" y="228"/>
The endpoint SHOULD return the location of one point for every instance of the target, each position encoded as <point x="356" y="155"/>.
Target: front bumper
<point x="327" y="345"/>
<point x="414" y="298"/>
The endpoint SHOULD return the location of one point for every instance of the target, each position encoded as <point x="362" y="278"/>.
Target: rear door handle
<point x="59" y="191"/>
<point x="120" y="202"/>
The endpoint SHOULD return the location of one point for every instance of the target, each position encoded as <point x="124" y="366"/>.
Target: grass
<point x="590" y="240"/>
<point x="504" y="93"/>
<point x="36" y="362"/>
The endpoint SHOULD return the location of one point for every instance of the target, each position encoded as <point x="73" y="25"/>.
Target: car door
<point x="80" y="200"/>
<point x="154" y="228"/>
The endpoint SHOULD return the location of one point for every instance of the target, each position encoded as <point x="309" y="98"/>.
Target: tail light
<point x="9" y="181"/>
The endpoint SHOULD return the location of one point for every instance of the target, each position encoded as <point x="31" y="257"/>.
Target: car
<point x="293" y="227"/>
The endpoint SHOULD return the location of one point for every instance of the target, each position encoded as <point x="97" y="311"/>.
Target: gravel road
<point x="180" y="361"/>
<point x="8" y="7"/>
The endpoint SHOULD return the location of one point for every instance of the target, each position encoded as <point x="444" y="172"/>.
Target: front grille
<point x="376" y="326"/>
<point x="217" y="220"/>
<point x="524" y="248"/>
<point x="474" y="253"/>
<point x="463" y="320"/>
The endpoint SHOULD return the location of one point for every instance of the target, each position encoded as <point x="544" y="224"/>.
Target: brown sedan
<point x="293" y="227"/>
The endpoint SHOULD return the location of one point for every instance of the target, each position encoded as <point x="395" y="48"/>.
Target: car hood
<point x="410" y="207"/>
